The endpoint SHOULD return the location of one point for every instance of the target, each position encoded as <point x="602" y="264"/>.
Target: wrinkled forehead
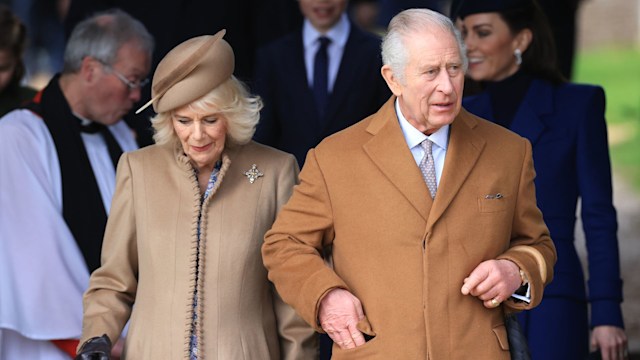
<point x="433" y="45"/>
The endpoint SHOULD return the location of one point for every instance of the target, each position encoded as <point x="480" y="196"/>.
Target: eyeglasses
<point x="132" y="85"/>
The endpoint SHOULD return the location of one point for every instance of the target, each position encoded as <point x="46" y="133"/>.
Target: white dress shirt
<point x="414" y="137"/>
<point x="338" y="34"/>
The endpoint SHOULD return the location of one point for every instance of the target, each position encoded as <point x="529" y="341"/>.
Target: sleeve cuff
<point x="606" y="312"/>
<point x="523" y="294"/>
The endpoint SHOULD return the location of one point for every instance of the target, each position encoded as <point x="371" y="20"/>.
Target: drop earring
<point x="518" y="54"/>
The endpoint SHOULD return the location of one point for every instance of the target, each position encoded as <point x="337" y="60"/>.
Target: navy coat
<point x="289" y="120"/>
<point x="566" y="127"/>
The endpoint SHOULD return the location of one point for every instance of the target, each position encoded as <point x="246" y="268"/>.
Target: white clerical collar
<point x="83" y="120"/>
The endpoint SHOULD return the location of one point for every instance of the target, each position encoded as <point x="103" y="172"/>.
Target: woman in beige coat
<point x="181" y="257"/>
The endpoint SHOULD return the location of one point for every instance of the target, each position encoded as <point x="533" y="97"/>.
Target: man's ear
<point x="89" y="68"/>
<point x="392" y="80"/>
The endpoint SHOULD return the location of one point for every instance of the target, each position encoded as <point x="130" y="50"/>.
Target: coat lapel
<point x="480" y="105"/>
<point x="537" y="103"/>
<point x="463" y="152"/>
<point x="389" y="152"/>
<point x="528" y="120"/>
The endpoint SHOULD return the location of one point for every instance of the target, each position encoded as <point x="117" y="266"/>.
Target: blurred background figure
<point x="181" y="254"/>
<point x="364" y="14"/>
<point x="249" y="24"/>
<point x="389" y="8"/>
<point x="374" y="15"/>
<point x="45" y="51"/>
<point x="318" y="80"/>
<point x="511" y="53"/>
<point x="13" y="40"/>
<point x="58" y="156"/>
<point x="562" y="16"/>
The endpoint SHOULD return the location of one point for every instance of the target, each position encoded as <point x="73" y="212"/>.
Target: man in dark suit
<point x="287" y="78"/>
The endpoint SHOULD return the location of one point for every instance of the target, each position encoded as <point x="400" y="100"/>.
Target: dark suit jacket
<point x="289" y="120"/>
<point x="567" y="129"/>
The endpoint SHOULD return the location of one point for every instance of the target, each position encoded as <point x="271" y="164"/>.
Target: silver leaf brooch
<point x="253" y="173"/>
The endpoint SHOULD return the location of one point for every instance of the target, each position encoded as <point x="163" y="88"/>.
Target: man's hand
<point x="493" y="281"/>
<point x="339" y="314"/>
<point x="612" y="342"/>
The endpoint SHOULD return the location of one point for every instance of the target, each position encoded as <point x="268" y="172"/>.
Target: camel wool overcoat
<point x="402" y="254"/>
<point x="148" y="272"/>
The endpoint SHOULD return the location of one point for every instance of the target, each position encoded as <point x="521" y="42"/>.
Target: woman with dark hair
<point x="512" y="55"/>
<point x="13" y="40"/>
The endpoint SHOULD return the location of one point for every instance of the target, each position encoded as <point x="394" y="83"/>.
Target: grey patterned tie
<point x="428" y="167"/>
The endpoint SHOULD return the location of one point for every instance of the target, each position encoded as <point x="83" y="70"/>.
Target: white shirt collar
<point x="414" y="137"/>
<point x="338" y="34"/>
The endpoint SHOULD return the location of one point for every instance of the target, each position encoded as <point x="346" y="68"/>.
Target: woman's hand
<point x="612" y="342"/>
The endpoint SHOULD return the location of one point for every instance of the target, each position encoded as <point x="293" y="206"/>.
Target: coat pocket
<point x="493" y="203"/>
<point x="501" y="333"/>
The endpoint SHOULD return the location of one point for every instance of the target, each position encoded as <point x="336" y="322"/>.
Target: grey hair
<point x="394" y="52"/>
<point x="232" y="99"/>
<point x="101" y="36"/>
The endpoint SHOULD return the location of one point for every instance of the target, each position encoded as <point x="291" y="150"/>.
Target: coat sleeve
<point x="598" y="214"/>
<point x="292" y="248"/>
<point x="297" y="338"/>
<point x="531" y="247"/>
<point x="112" y="287"/>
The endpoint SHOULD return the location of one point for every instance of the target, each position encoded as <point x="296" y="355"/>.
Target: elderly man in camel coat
<point x="420" y="270"/>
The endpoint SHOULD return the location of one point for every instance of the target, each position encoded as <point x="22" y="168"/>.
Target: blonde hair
<point x="231" y="99"/>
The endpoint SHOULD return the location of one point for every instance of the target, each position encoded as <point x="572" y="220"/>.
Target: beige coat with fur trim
<point x="148" y="260"/>
<point x="403" y="254"/>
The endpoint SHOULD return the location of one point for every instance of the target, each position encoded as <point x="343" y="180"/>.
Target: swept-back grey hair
<point x="101" y="36"/>
<point x="394" y="52"/>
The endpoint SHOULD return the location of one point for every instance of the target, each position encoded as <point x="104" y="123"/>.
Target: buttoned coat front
<point x="148" y="272"/>
<point x="402" y="254"/>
